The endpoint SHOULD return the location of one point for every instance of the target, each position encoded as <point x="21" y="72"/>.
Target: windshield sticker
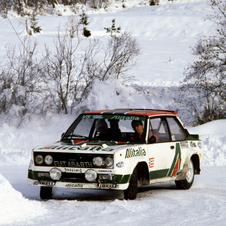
<point x="115" y="117"/>
<point x="92" y="116"/>
<point x="122" y="117"/>
<point x="130" y="152"/>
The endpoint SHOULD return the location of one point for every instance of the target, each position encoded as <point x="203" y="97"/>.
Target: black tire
<point x="45" y="192"/>
<point x="131" y="191"/>
<point x="188" y="181"/>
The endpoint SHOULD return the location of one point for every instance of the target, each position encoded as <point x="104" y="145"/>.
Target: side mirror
<point x="62" y="135"/>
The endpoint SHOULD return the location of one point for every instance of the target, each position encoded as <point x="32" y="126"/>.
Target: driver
<point x="139" y="130"/>
<point x="140" y="134"/>
<point x="102" y="129"/>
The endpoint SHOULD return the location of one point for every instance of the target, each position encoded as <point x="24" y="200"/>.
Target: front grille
<point x="73" y="160"/>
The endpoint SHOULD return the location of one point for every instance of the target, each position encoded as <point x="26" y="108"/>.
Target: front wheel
<point x="45" y="192"/>
<point x="188" y="181"/>
<point x="131" y="191"/>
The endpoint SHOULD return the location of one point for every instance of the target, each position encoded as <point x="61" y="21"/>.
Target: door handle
<point x="172" y="147"/>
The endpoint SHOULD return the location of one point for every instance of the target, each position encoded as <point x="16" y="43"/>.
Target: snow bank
<point x="16" y="143"/>
<point x="213" y="135"/>
<point x="112" y="94"/>
<point x="14" y="207"/>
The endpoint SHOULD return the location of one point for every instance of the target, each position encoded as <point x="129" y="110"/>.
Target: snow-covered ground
<point x="165" y="33"/>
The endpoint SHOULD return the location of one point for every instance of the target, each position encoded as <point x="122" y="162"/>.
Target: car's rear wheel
<point x="46" y="192"/>
<point x="131" y="191"/>
<point x="188" y="181"/>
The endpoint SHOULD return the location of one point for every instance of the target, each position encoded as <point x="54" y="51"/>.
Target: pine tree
<point x="84" y="22"/>
<point x="113" y="30"/>
<point x="34" y="24"/>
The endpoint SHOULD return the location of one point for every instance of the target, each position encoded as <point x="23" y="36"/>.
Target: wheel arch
<point x="143" y="173"/>
<point x="196" y="162"/>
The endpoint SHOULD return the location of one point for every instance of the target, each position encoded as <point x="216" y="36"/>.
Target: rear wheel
<point x="46" y="192"/>
<point x="131" y="191"/>
<point x="188" y="181"/>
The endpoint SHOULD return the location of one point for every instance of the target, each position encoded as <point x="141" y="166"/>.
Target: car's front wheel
<point x="45" y="192"/>
<point x="188" y="181"/>
<point x="131" y="191"/>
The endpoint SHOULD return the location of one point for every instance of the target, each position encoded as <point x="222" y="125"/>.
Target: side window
<point x="158" y="126"/>
<point x="177" y="132"/>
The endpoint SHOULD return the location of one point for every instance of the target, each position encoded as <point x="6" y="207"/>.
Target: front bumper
<point x="71" y="180"/>
<point x="78" y="185"/>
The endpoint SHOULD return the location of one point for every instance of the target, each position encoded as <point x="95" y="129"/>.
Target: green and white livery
<point x="118" y="149"/>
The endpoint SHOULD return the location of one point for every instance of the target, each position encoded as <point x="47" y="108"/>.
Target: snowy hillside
<point x="165" y="33"/>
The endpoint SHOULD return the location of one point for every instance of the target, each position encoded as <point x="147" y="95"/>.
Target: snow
<point x="166" y="33"/>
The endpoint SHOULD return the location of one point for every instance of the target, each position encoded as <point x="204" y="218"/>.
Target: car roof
<point x="133" y="111"/>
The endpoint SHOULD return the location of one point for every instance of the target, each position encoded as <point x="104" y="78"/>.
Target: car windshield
<point x="108" y="128"/>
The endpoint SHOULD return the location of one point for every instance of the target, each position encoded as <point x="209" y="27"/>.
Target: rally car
<point x="118" y="149"/>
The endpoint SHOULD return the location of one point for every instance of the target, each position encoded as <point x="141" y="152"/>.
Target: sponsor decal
<point x="151" y="162"/>
<point x="130" y="152"/>
<point x="176" y="162"/>
<point x="73" y="170"/>
<point x="176" y="167"/>
<point x="184" y="144"/>
<point x="120" y="164"/>
<point x="200" y="145"/>
<point x="92" y="116"/>
<point x="80" y="148"/>
<point x="60" y="163"/>
<point x="193" y="144"/>
<point x="83" y="148"/>
<point x="107" y="185"/>
<point x="47" y="183"/>
<point x="104" y="171"/>
<point x="73" y="163"/>
<point x="74" y="186"/>
<point x="122" y="117"/>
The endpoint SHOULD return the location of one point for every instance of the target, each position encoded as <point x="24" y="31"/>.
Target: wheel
<point x="188" y="181"/>
<point x="46" y="192"/>
<point x="131" y="191"/>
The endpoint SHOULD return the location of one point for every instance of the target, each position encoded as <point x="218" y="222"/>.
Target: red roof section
<point x="132" y="111"/>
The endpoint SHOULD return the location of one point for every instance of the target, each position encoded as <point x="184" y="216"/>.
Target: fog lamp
<point x="55" y="174"/>
<point x="90" y="175"/>
<point x="105" y="176"/>
<point x="41" y="174"/>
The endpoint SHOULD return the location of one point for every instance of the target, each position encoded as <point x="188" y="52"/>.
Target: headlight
<point x="39" y="159"/>
<point x="55" y="174"/>
<point x="98" y="161"/>
<point x="90" y="175"/>
<point x="48" y="159"/>
<point x="108" y="161"/>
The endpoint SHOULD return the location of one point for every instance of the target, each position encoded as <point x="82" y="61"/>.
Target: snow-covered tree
<point x="204" y="88"/>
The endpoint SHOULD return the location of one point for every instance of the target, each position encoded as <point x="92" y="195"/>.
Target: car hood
<point x="105" y="147"/>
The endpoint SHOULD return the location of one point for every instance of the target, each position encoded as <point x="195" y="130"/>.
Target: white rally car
<point x="118" y="149"/>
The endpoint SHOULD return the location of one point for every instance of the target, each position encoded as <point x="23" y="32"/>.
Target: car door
<point x="164" y="154"/>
